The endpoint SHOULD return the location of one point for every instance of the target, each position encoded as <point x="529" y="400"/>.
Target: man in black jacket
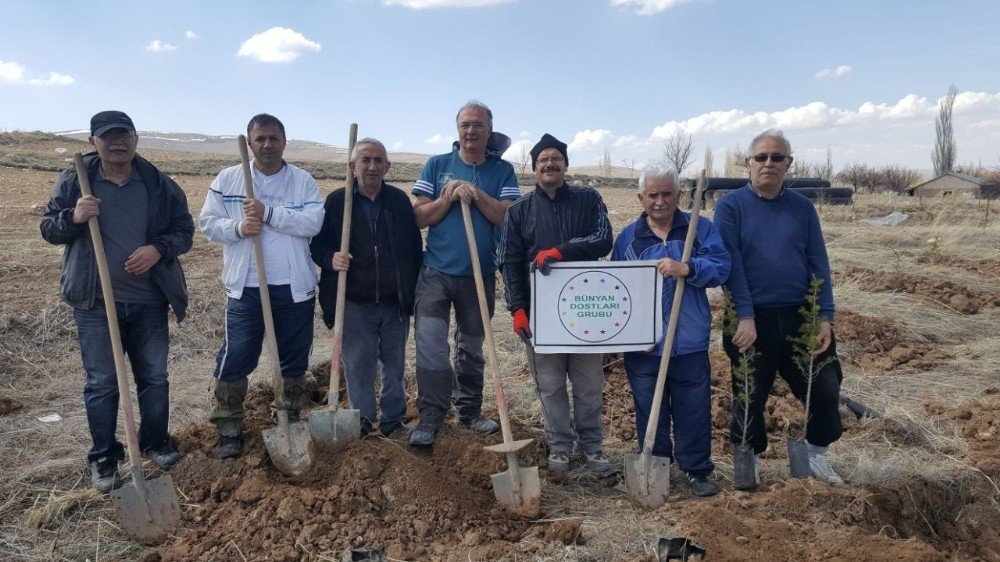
<point x="145" y="224"/>
<point x="386" y="253"/>
<point x="558" y="222"/>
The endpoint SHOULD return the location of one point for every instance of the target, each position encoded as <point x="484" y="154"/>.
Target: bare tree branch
<point x="678" y="151"/>
<point x="945" y="150"/>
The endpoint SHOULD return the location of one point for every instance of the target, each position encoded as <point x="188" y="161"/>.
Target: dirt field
<point x="918" y="307"/>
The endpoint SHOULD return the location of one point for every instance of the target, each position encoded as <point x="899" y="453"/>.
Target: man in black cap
<point x="145" y="224"/>
<point x="558" y="222"/>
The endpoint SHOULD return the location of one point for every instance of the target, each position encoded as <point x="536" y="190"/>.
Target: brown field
<point x="917" y="329"/>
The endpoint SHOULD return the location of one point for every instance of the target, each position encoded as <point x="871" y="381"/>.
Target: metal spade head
<point x="745" y="471"/>
<point x="524" y="498"/>
<point x="148" y="509"/>
<point x="647" y="479"/>
<point x="290" y="445"/>
<point x="332" y="428"/>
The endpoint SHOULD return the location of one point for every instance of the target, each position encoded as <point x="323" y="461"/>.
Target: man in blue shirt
<point x="476" y="175"/>
<point x="774" y="238"/>
<point x="659" y="234"/>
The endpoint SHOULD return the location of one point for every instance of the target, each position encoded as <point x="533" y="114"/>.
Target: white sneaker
<point x="822" y="470"/>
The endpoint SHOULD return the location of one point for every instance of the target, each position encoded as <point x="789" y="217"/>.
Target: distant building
<point x="950" y="184"/>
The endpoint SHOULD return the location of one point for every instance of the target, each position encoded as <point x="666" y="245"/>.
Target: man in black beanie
<point x="558" y="222"/>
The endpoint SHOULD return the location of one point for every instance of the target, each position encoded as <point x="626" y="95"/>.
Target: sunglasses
<point x="776" y="158"/>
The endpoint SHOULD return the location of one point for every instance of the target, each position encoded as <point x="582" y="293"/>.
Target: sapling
<point x="806" y="345"/>
<point x="746" y="476"/>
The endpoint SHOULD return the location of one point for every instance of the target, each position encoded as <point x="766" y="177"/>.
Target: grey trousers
<point x="377" y="335"/>
<point x="586" y="372"/>
<point x="439" y="382"/>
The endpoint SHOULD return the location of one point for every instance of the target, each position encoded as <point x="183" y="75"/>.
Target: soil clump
<point x="877" y="346"/>
<point x="948" y="293"/>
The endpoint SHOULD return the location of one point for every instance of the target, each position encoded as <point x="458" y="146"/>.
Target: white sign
<point x="597" y="307"/>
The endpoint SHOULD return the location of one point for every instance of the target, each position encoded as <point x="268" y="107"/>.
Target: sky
<point x="861" y="77"/>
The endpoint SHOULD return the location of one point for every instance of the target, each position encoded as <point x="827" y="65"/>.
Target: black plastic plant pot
<point x="798" y="459"/>
<point x="745" y="474"/>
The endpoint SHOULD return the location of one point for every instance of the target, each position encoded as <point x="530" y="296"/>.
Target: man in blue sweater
<point x="776" y="244"/>
<point x="658" y="234"/>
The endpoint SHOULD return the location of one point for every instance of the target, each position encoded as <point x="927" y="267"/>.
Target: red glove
<point x="521" y="325"/>
<point x="545" y="257"/>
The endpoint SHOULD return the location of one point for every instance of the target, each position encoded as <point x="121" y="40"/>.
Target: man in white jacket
<point x="286" y="213"/>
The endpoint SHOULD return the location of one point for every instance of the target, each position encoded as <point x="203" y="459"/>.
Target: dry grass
<point x="48" y="511"/>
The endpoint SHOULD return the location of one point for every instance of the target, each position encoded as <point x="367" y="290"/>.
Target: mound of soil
<point x="979" y="422"/>
<point x="9" y="406"/>
<point x="911" y="519"/>
<point x="877" y="345"/>
<point x="985" y="267"/>
<point x="376" y="492"/>
<point x="948" y="293"/>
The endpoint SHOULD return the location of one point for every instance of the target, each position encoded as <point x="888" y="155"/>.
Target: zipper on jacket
<point x="372" y="227"/>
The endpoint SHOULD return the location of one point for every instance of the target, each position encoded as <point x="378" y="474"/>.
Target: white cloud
<point x="53" y="79"/>
<point x="158" y="46"/>
<point x="423" y="4"/>
<point x="438" y="138"/>
<point x="189" y="35"/>
<point x="278" y="44"/>
<point x="397" y="146"/>
<point x="589" y="138"/>
<point x="11" y="72"/>
<point x="834" y="72"/>
<point x="648" y="7"/>
<point x="513" y="154"/>
<point x="14" y="73"/>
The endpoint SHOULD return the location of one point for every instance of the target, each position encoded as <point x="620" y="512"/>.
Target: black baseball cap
<point x="108" y="120"/>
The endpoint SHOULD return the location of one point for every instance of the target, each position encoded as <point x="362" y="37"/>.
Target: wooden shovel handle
<point x="345" y="247"/>
<point x="124" y="394"/>
<point x="265" y="297"/>
<point x="675" y="311"/>
<point x="484" y="312"/>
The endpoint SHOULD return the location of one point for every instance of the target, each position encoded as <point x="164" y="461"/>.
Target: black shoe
<point x="164" y="454"/>
<point x="702" y="486"/>
<point x="481" y="424"/>
<point x="104" y="475"/>
<point x="388" y="431"/>
<point x="230" y="447"/>
<point x="423" y="435"/>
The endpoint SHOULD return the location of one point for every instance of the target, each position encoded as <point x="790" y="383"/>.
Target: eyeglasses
<point x="776" y="158"/>
<point x="475" y="125"/>
<point x="552" y="159"/>
<point x="117" y="135"/>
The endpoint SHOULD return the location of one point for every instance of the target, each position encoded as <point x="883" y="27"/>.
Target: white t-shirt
<point x="277" y="247"/>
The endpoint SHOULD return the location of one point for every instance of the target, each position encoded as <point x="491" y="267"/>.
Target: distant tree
<point x="709" y="162"/>
<point x="523" y="159"/>
<point x="630" y="166"/>
<point x="678" y="151"/>
<point x="945" y="150"/>
<point x="605" y="163"/>
<point x="826" y="169"/>
<point x="896" y="179"/>
<point x="735" y="164"/>
<point x="860" y="177"/>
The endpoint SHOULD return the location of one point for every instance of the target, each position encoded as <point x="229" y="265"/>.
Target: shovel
<point x="647" y="477"/>
<point x="289" y="444"/>
<point x="332" y="427"/>
<point x="147" y="509"/>
<point x="517" y="488"/>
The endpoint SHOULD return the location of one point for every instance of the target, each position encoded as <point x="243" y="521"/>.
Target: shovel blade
<point x="332" y="429"/>
<point x="746" y="475"/>
<point x="647" y="479"/>
<point x="149" y="515"/>
<point x="290" y="447"/>
<point x="526" y="501"/>
<point x="798" y="459"/>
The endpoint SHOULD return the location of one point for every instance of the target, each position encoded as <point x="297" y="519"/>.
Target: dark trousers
<point x="293" y="330"/>
<point x="146" y="341"/>
<point x="687" y="404"/>
<point x="440" y="383"/>
<point x="376" y="336"/>
<point x="774" y="327"/>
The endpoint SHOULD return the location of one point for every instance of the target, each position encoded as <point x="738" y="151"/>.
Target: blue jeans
<point x="146" y="342"/>
<point x="687" y="402"/>
<point x="376" y="334"/>
<point x="244" y="339"/>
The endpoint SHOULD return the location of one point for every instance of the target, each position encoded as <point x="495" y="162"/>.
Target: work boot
<point x="367" y="425"/>
<point x="294" y="388"/>
<point x="819" y="464"/>
<point x="599" y="464"/>
<point x="480" y="424"/>
<point x="558" y="461"/>
<point x="389" y="430"/>
<point x="423" y="435"/>
<point x="227" y="406"/>
<point x="104" y="475"/>
<point x="702" y="486"/>
<point x="164" y="454"/>
<point x="230" y="447"/>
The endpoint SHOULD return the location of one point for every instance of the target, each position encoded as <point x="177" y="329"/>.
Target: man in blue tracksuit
<point x="658" y="234"/>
